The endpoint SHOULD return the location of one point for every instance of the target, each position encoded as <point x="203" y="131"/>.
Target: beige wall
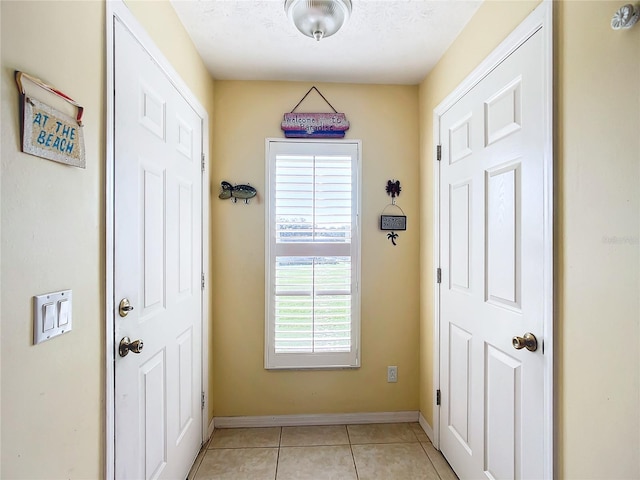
<point x="597" y="227"/>
<point x="52" y="238"/>
<point x="385" y="118"/>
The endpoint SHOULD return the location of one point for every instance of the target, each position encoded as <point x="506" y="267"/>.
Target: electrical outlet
<point x="392" y="374"/>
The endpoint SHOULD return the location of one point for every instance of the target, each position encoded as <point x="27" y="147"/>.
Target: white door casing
<point x="495" y="250"/>
<point x="155" y="414"/>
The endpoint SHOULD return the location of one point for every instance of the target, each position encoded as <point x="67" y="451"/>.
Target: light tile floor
<point x="337" y="452"/>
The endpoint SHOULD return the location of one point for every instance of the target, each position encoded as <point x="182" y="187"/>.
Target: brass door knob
<point x="529" y="341"/>
<point x="125" y="307"/>
<point x="126" y="346"/>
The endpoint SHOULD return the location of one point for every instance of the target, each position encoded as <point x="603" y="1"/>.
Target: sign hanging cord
<point x="305" y="96"/>
<point x="19" y="75"/>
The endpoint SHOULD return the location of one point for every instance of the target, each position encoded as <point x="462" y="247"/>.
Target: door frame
<point x="118" y="11"/>
<point x="540" y="19"/>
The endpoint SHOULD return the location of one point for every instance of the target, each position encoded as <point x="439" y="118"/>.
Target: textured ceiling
<point x="384" y="41"/>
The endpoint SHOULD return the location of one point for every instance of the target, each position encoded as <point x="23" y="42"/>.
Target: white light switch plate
<point x="51" y="315"/>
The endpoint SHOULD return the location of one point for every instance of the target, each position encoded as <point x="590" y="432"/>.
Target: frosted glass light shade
<point x="318" y="18"/>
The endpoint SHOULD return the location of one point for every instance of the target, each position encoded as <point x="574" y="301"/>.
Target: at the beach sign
<point x="50" y="133"/>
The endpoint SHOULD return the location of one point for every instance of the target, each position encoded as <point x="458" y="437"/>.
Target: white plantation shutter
<point x="312" y="254"/>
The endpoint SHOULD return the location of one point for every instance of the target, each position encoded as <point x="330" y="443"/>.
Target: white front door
<point x="494" y="262"/>
<point x="157" y="267"/>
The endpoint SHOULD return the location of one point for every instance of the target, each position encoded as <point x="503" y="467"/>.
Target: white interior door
<point x="157" y="267"/>
<point x="492" y="253"/>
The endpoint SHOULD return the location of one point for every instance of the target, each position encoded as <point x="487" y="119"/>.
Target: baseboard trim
<point x="426" y="427"/>
<point x="212" y="425"/>
<point x="316" y="419"/>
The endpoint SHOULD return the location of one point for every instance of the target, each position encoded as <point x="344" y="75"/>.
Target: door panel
<point x="502" y="192"/>
<point x="153" y="239"/>
<point x="157" y="258"/>
<point x="185" y="240"/>
<point x="460" y="235"/>
<point x="151" y="398"/>
<point x="502" y="411"/>
<point x="185" y="382"/>
<point x="459" y="383"/>
<point x="502" y="112"/>
<point x="491" y="212"/>
<point x="460" y="139"/>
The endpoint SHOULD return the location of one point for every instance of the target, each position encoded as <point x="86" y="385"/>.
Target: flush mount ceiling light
<point x="318" y="18"/>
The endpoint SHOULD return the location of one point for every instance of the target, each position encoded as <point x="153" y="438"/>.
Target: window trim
<point x="298" y="361"/>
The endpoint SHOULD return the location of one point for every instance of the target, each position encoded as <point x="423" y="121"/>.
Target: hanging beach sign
<point x="49" y="133"/>
<point x="314" y="125"/>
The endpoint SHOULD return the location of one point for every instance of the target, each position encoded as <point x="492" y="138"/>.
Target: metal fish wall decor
<point x="235" y="192"/>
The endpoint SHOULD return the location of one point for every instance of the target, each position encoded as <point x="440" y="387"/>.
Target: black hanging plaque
<point x="393" y="222"/>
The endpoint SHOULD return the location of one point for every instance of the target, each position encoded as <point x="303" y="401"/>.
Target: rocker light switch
<point x="49" y="320"/>
<point x="51" y="315"/>
<point x="63" y="313"/>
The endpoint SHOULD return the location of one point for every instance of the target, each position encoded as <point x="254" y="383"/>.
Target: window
<point x="312" y="254"/>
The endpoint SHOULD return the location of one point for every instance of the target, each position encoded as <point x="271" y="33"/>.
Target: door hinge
<point x="438" y="397"/>
<point x="439" y="152"/>
<point x="202" y="157"/>
<point x="439" y="275"/>
<point x="202" y="401"/>
<point x="202" y="281"/>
